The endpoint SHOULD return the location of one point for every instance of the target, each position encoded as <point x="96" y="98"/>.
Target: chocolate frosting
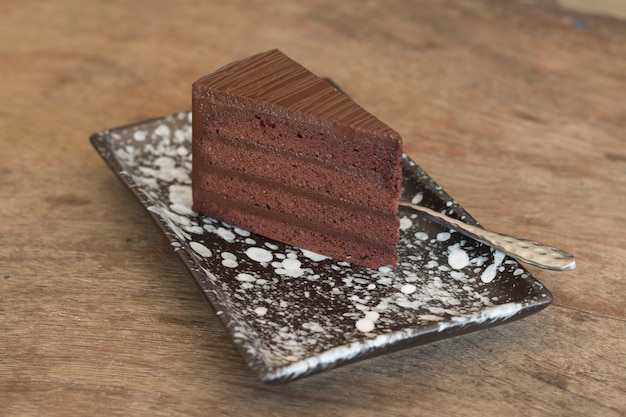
<point x="273" y="78"/>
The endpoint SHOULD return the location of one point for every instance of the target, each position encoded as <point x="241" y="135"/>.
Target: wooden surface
<point x="517" y="108"/>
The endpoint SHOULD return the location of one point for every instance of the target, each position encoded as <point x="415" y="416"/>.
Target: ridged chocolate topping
<point x="274" y="78"/>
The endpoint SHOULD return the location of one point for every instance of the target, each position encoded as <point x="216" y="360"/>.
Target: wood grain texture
<point x="515" y="108"/>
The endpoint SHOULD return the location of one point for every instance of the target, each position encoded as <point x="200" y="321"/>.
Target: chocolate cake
<point x="279" y="152"/>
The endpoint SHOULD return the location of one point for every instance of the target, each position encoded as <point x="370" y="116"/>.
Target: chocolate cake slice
<point x="279" y="152"/>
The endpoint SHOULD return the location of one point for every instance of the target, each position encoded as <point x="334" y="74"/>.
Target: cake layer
<point x="302" y="138"/>
<point x="318" y="210"/>
<point x="329" y="242"/>
<point x="356" y="185"/>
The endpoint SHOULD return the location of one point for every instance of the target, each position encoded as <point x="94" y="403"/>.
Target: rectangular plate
<point x="294" y="313"/>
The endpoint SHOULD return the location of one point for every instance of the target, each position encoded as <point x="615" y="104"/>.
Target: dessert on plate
<point x="280" y="152"/>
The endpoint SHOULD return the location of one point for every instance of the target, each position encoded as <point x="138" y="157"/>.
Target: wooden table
<point x="518" y="109"/>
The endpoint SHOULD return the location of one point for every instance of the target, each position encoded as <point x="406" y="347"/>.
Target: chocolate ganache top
<point x="272" y="77"/>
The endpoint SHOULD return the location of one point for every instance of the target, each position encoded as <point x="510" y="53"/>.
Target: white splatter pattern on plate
<point x="294" y="312"/>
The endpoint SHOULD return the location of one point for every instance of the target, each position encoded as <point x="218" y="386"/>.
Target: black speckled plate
<point x="294" y="313"/>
